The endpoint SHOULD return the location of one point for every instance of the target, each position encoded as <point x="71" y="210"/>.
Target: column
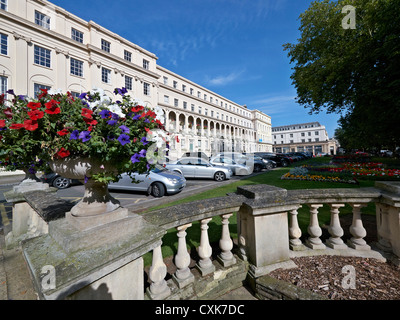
<point x="295" y="243"/>
<point x="335" y="230"/>
<point x="357" y="230"/>
<point x="226" y="257"/>
<point x="314" y="230"/>
<point x="205" y="265"/>
<point x="158" y="289"/>
<point x="183" y="276"/>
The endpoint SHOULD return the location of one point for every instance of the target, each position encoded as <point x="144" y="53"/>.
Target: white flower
<point x="114" y="108"/>
<point x="160" y="114"/>
<point x="54" y="91"/>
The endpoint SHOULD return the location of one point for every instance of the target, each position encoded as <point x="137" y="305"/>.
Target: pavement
<point x="15" y="280"/>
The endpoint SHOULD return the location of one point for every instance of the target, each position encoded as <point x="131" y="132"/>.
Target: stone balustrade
<point x="268" y="236"/>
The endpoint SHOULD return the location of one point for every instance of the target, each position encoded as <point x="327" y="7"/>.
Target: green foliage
<point x="355" y="72"/>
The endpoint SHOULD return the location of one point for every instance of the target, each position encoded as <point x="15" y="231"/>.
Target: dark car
<point x="280" y="161"/>
<point x="55" y="180"/>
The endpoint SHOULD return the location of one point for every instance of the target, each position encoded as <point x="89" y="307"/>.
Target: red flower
<point x="43" y="94"/>
<point x="137" y="108"/>
<point x="87" y="113"/>
<point x="16" y="126"/>
<point x="8" y="113"/>
<point x="177" y="139"/>
<point x="2" y="123"/>
<point x="34" y="105"/>
<point x="36" y="114"/>
<point x="30" y="125"/>
<point x="51" y="107"/>
<point x="63" y="132"/>
<point x="91" y="122"/>
<point x="62" y="153"/>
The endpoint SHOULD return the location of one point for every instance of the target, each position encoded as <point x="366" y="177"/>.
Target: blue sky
<point x="232" y="47"/>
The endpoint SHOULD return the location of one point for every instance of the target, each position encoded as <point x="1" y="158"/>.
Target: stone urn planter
<point x="30" y="183"/>
<point x="97" y="206"/>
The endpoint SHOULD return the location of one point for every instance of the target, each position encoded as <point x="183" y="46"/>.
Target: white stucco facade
<point x="44" y="46"/>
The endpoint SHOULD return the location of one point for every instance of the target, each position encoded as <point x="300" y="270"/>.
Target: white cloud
<point x="221" y="80"/>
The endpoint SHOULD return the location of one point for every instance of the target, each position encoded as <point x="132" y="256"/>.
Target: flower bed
<point x="317" y="177"/>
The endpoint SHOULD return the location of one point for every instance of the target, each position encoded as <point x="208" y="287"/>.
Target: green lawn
<point x="270" y="177"/>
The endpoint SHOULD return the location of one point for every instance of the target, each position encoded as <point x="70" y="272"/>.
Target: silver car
<point x="199" y="168"/>
<point x="238" y="165"/>
<point x="158" y="182"/>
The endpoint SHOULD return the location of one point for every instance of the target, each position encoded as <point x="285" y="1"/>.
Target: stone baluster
<point x="226" y="257"/>
<point x="295" y="243"/>
<point x="383" y="227"/>
<point x="183" y="276"/>
<point x="205" y="265"/>
<point x="314" y="230"/>
<point x="242" y="235"/>
<point x="335" y="230"/>
<point x="357" y="230"/>
<point x="158" y="289"/>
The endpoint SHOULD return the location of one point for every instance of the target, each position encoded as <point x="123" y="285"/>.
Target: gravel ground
<point x="374" y="280"/>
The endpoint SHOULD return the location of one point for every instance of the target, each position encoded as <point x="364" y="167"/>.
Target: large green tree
<point x="352" y="71"/>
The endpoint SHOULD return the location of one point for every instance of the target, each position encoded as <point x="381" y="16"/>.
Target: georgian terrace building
<point x="309" y="137"/>
<point x="44" y="46"/>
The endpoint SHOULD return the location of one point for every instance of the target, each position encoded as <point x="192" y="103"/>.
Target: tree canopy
<point x="355" y="72"/>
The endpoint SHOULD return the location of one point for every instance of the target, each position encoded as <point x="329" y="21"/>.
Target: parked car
<point x="279" y="160"/>
<point x="195" y="155"/>
<point x="55" y="180"/>
<point x="240" y="165"/>
<point x="192" y="167"/>
<point x="157" y="182"/>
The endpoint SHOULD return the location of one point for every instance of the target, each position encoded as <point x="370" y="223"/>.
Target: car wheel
<point x="61" y="183"/>
<point x="284" y="164"/>
<point x="257" y="168"/>
<point x="158" y="190"/>
<point x="219" y="176"/>
<point x="269" y="166"/>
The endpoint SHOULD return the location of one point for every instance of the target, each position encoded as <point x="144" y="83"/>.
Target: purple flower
<point x="85" y="136"/>
<point x="114" y="116"/>
<point x="144" y="141"/>
<point x="123" y="139"/>
<point x="111" y="137"/>
<point x="142" y="153"/>
<point x="11" y="91"/>
<point x="105" y="114"/>
<point x="82" y="95"/>
<point x="121" y="91"/>
<point x="136" y="117"/>
<point x="112" y="122"/>
<point x="86" y="179"/>
<point x="74" y="135"/>
<point x="124" y="129"/>
<point x="135" y="158"/>
<point x="147" y="120"/>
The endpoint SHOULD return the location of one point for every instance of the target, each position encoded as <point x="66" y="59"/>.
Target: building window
<point x="3" y="85"/>
<point x="42" y="56"/>
<point x="303" y="134"/>
<point x="192" y="107"/>
<point x="3" y="5"/>
<point x="205" y="112"/>
<point x="37" y="87"/>
<point x="76" y="67"/>
<point x="176" y="102"/>
<point x="3" y="44"/>
<point x="42" y="20"/>
<point x="183" y="88"/>
<point x="105" y="75"/>
<point x="166" y="99"/>
<point x="212" y="113"/>
<point x="128" y="83"/>
<point x="76" y="35"/>
<point x="316" y="133"/>
<point x="105" y="45"/>
<point x="175" y="84"/>
<point x="146" y="64"/>
<point x="191" y="91"/>
<point x="199" y="110"/>
<point x="198" y="94"/>
<point x="205" y="97"/>
<point x="146" y="88"/>
<point x="184" y="105"/>
<point x="165" y="80"/>
<point x="127" y="56"/>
